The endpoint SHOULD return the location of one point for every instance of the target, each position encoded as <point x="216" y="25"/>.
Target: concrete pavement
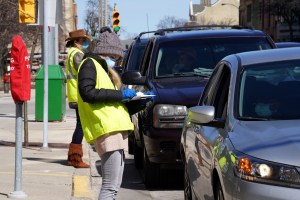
<point x="45" y="174"/>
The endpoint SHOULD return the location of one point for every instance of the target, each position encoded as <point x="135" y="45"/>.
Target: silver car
<point x="242" y="140"/>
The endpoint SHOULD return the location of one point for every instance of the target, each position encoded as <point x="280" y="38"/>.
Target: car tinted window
<point x="201" y="55"/>
<point x="135" y="59"/>
<point x="270" y="91"/>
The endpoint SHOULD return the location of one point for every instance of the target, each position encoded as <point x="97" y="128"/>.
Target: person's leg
<point x="75" y="149"/>
<point x="78" y="133"/>
<point x="112" y="167"/>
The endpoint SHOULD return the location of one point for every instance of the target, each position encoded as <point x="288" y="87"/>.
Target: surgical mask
<point x="85" y="44"/>
<point x="110" y="62"/>
<point x="263" y="110"/>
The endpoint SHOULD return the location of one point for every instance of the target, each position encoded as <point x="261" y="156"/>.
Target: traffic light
<point x="27" y="11"/>
<point x="116" y="20"/>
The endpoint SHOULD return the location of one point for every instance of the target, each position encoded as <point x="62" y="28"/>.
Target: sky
<point x="141" y="15"/>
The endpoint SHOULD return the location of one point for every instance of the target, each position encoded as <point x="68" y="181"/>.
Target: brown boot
<point x="75" y="156"/>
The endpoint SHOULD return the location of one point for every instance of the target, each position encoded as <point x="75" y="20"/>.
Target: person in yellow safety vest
<point x="77" y="41"/>
<point x="105" y="118"/>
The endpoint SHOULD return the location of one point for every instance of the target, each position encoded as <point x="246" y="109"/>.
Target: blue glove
<point x="145" y="101"/>
<point x="128" y="94"/>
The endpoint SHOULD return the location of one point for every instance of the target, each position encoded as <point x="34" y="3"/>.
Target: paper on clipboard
<point x="143" y="96"/>
<point x="139" y="97"/>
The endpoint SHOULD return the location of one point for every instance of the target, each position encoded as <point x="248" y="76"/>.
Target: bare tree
<point x="296" y="10"/>
<point x="170" y="22"/>
<point x="284" y="12"/>
<point x="92" y="17"/>
<point x="10" y="26"/>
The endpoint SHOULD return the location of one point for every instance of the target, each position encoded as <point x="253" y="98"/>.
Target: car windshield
<point x="200" y="56"/>
<point x="270" y="91"/>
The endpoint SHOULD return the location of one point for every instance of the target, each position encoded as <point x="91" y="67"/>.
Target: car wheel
<point x="138" y="155"/>
<point x="187" y="184"/>
<point x="130" y="143"/>
<point x="219" y="192"/>
<point x="151" y="173"/>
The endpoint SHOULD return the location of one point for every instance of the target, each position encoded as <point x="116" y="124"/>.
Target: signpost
<point x="20" y="91"/>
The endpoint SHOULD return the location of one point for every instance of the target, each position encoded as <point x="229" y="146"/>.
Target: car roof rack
<point x="143" y="33"/>
<point x="199" y="27"/>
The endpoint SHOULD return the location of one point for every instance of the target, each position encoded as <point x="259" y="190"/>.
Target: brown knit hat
<point x="108" y="43"/>
<point x="78" y="34"/>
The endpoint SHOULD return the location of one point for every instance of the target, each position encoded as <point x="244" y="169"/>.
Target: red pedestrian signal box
<point x="19" y="71"/>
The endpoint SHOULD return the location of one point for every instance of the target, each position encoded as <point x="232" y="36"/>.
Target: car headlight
<point x="256" y="170"/>
<point x="168" y="116"/>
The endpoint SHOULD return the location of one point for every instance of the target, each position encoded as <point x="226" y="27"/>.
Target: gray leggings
<point x="112" y="167"/>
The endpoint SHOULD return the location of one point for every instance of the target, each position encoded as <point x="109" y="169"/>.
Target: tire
<point x="130" y="143"/>
<point x="187" y="184"/>
<point x="219" y="195"/>
<point x="138" y="155"/>
<point x="151" y="173"/>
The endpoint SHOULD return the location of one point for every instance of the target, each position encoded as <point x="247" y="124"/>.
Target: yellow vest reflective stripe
<point x="101" y="118"/>
<point x="72" y="75"/>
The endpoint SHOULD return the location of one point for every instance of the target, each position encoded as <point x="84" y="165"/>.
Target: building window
<point x="249" y="12"/>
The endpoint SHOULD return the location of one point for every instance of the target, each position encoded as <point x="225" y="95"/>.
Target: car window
<point x="145" y="61"/>
<point x="208" y="94"/>
<point x="199" y="56"/>
<point x="136" y="57"/>
<point x="270" y="91"/>
<point x="221" y="95"/>
<point x="216" y="91"/>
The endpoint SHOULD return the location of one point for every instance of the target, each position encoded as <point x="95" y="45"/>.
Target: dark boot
<point x="75" y="156"/>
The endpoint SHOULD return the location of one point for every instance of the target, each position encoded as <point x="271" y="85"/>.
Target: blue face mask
<point x="85" y="44"/>
<point x="110" y="62"/>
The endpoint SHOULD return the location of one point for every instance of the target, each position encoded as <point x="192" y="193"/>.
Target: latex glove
<point x="128" y="94"/>
<point x="145" y="101"/>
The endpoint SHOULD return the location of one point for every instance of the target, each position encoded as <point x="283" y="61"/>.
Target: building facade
<point x="222" y="12"/>
<point x="257" y="14"/>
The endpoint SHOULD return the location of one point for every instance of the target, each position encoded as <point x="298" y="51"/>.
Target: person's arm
<point x="77" y="59"/>
<point x="87" y="83"/>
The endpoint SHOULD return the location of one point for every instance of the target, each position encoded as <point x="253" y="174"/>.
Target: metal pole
<point x="26" y="142"/>
<point x="105" y="13"/>
<point x="18" y="193"/>
<point x="45" y="58"/>
<point x="100" y="14"/>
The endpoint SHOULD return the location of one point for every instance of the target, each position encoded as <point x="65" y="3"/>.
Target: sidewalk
<point x="45" y="174"/>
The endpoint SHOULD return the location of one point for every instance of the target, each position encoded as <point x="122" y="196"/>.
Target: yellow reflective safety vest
<point x="102" y="118"/>
<point x="72" y="75"/>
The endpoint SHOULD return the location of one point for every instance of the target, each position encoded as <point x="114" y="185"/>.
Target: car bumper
<point x="162" y="146"/>
<point x="257" y="191"/>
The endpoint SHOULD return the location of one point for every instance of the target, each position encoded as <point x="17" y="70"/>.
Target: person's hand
<point x="128" y="94"/>
<point x="146" y="100"/>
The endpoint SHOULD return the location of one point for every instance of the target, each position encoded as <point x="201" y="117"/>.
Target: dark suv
<point x="133" y="56"/>
<point x="175" y="67"/>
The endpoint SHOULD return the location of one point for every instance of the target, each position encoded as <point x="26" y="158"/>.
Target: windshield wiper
<point x="253" y="118"/>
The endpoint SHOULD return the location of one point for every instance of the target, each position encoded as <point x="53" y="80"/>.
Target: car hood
<point x="181" y="92"/>
<point x="277" y="141"/>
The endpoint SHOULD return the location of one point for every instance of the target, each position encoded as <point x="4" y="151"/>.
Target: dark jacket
<point x="87" y="82"/>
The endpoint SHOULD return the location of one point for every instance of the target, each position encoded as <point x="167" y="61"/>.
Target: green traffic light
<point x="117" y="28"/>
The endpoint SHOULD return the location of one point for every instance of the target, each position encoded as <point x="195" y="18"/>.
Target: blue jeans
<point x="112" y="167"/>
<point x="78" y="133"/>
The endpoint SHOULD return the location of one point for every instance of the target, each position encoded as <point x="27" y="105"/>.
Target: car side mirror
<point x="133" y="78"/>
<point x="204" y="115"/>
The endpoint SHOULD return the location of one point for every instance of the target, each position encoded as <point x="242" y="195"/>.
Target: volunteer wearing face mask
<point x="78" y="42"/>
<point x="105" y="118"/>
